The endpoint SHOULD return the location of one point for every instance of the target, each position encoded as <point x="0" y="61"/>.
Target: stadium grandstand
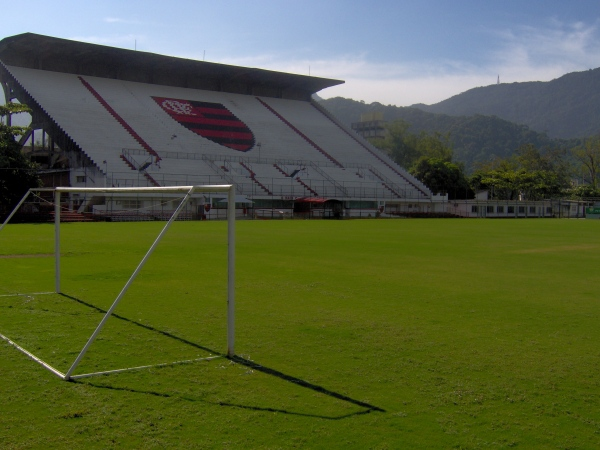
<point x="104" y="116"/>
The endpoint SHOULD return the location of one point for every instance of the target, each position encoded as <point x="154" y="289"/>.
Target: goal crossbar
<point x="188" y="191"/>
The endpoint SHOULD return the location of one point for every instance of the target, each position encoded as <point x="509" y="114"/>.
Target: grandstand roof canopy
<point x="35" y="51"/>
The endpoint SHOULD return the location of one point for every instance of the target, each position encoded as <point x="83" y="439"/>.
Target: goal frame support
<point x="187" y="191"/>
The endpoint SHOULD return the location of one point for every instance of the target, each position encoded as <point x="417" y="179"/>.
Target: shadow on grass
<point x="239" y="360"/>
<point x="303" y="383"/>
<point x="147" y="327"/>
<point x="228" y="404"/>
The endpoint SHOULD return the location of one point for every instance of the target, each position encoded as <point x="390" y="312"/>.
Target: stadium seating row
<point x="161" y="135"/>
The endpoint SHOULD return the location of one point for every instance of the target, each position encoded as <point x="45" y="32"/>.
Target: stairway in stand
<point x="253" y="178"/>
<point x="307" y="187"/>
<point x="72" y="216"/>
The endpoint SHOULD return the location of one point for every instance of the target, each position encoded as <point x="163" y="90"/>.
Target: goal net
<point x="186" y="194"/>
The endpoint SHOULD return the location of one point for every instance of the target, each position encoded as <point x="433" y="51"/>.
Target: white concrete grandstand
<point x="126" y="119"/>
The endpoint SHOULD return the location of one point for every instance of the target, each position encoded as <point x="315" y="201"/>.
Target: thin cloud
<point x="522" y="54"/>
<point x="387" y="83"/>
<point x="120" y="20"/>
<point x="408" y="91"/>
<point x="553" y="50"/>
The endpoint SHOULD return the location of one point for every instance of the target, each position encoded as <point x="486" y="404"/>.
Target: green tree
<point x="584" y="191"/>
<point x="17" y="173"/>
<point x="428" y="156"/>
<point x="399" y="143"/>
<point x="407" y="148"/>
<point x="442" y="176"/>
<point x="588" y="155"/>
<point x="501" y="182"/>
<point x="435" y="145"/>
<point x="530" y="173"/>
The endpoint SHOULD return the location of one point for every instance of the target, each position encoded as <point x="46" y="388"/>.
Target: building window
<point x="548" y="209"/>
<point x="500" y="209"/>
<point x="473" y="208"/>
<point x="489" y="209"/>
<point x="511" y="209"/>
<point x="80" y="178"/>
<point x="521" y="210"/>
<point x="532" y="210"/>
<point x="132" y="204"/>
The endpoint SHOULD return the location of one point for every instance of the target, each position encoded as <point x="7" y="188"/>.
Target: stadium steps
<point x="329" y="134"/>
<point x="289" y="132"/>
<point x="129" y="163"/>
<point x="338" y="187"/>
<point x="82" y="125"/>
<point x="253" y="178"/>
<point x="150" y="179"/>
<point x="119" y="119"/>
<point x="384" y="184"/>
<point x="381" y="159"/>
<point x="280" y="169"/>
<point x="307" y="187"/>
<point x="31" y="101"/>
<point x="141" y="169"/>
<point x="302" y="135"/>
<point x="391" y="190"/>
<point x="71" y="216"/>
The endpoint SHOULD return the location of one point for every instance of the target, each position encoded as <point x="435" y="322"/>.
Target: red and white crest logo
<point x="210" y="120"/>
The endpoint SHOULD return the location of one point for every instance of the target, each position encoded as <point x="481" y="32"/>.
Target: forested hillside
<point x="567" y="107"/>
<point x="475" y="138"/>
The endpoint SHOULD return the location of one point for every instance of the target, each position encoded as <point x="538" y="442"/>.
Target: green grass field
<point x="353" y="334"/>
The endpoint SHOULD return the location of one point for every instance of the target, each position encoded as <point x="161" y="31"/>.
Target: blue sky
<point x="394" y="52"/>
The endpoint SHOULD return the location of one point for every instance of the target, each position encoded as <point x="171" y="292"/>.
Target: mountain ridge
<point x="494" y="121"/>
<point x="566" y="107"/>
<point x="475" y="139"/>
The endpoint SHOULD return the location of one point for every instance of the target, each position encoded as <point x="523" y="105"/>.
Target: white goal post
<point x="187" y="191"/>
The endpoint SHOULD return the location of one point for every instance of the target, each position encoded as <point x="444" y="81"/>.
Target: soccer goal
<point x="186" y="192"/>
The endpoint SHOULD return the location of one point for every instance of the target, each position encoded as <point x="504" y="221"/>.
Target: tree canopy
<point x="428" y="156"/>
<point x="407" y="148"/>
<point x="531" y="174"/>
<point x="588" y="156"/>
<point x="474" y="139"/>
<point x="17" y="173"/>
<point x="442" y="176"/>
